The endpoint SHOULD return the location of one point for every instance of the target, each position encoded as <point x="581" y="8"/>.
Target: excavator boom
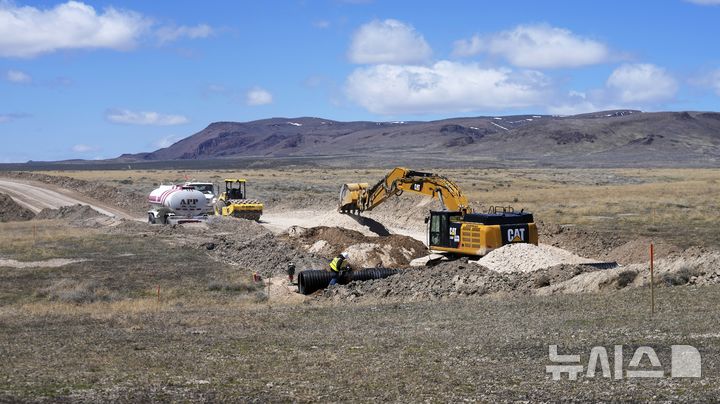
<point x="359" y="197"/>
<point x="455" y="229"/>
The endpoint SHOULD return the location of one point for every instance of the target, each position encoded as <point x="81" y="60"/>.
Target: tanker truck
<point x="176" y="204"/>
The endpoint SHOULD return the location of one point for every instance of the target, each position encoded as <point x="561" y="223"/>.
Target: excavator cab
<point x="235" y="188"/>
<point x="444" y="228"/>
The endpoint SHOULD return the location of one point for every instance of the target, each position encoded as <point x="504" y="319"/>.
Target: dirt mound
<point x="11" y="211"/>
<point x="581" y="241"/>
<point x="365" y="251"/>
<point x="463" y="278"/>
<point x="252" y="247"/>
<point x="694" y="266"/>
<point x="241" y="243"/>
<point x="78" y="215"/>
<point x="75" y="212"/>
<point x="638" y="251"/>
<point x="450" y="280"/>
<point x="523" y="257"/>
<point x="406" y="212"/>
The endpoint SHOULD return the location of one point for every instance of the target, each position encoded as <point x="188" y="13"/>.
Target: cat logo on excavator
<point x="516" y="235"/>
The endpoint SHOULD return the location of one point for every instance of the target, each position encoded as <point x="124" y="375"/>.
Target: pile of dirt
<point x="77" y="215"/>
<point x="638" y="251"/>
<point x="389" y="251"/>
<point x="406" y="212"/>
<point x="11" y="211"/>
<point x="70" y="213"/>
<point x="522" y="257"/>
<point x="581" y="241"/>
<point x="450" y="280"/>
<point x="463" y="278"/>
<point x="252" y="247"/>
<point x="604" y="246"/>
<point x="694" y="266"/>
<point x="241" y="243"/>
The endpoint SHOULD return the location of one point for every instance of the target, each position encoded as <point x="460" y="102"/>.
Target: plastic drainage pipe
<point x="313" y="280"/>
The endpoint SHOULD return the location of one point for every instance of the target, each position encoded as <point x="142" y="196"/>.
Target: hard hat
<point x="344" y="254"/>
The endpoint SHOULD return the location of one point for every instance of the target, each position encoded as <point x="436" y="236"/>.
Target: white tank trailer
<point x="176" y="204"/>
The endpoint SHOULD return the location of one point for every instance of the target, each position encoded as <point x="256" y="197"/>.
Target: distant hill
<point x="608" y="138"/>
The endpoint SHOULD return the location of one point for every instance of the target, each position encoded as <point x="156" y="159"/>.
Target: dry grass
<point x="675" y="204"/>
<point x="41" y="239"/>
<point x="478" y="349"/>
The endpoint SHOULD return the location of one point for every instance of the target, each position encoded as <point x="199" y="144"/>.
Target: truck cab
<point x="208" y="189"/>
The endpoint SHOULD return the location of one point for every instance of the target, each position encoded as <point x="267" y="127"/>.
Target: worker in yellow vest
<point x="339" y="265"/>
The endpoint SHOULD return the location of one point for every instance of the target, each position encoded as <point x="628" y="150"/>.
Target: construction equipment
<point x="176" y="204"/>
<point x="455" y="228"/>
<point x="233" y="202"/>
<point x="208" y="189"/>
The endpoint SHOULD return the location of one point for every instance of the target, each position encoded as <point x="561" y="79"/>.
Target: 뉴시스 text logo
<point x="685" y="361"/>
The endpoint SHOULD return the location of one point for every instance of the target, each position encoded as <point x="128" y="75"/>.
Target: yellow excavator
<point x="233" y="202"/>
<point x="454" y="229"/>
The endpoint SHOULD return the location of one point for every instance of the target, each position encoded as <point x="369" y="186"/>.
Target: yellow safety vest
<point x="337" y="263"/>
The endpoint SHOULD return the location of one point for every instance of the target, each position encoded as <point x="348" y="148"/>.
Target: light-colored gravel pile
<point x="521" y="257"/>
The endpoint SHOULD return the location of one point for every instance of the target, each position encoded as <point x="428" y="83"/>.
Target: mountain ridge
<point x="615" y="136"/>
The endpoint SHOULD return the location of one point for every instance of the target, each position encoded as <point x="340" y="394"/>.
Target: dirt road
<point x="38" y="196"/>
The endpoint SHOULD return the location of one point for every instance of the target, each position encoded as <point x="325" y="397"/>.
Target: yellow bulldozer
<point x="233" y="201"/>
<point x="456" y="228"/>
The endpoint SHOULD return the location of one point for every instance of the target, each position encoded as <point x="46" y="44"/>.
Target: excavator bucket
<point x="350" y="195"/>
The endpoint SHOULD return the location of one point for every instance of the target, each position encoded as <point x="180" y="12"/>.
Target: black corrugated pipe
<point x="312" y="280"/>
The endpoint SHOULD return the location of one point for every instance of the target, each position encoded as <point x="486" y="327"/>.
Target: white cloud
<point x="17" y="76"/>
<point x="715" y="81"/>
<point x="322" y="24"/>
<point x="258" y="96"/>
<point x="168" y="34"/>
<point x="28" y="31"/>
<point x="630" y="86"/>
<point x="443" y="87"/>
<point x="641" y="83"/>
<point x="707" y="80"/>
<point x="537" y="46"/>
<point x="5" y="118"/>
<point x="705" y="2"/>
<point x="144" y="118"/>
<point x="469" y="47"/>
<point x="166" y="141"/>
<point x="388" y="41"/>
<point x="578" y="102"/>
<point x="83" y="148"/>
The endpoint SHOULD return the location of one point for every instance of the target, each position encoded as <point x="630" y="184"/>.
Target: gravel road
<point x="38" y="196"/>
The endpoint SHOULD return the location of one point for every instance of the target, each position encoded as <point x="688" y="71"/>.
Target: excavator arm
<point x="359" y="197"/>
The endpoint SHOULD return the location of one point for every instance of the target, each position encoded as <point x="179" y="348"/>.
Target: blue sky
<point x="95" y="79"/>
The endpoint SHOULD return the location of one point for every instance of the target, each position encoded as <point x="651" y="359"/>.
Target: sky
<point x="95" y="79"/>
